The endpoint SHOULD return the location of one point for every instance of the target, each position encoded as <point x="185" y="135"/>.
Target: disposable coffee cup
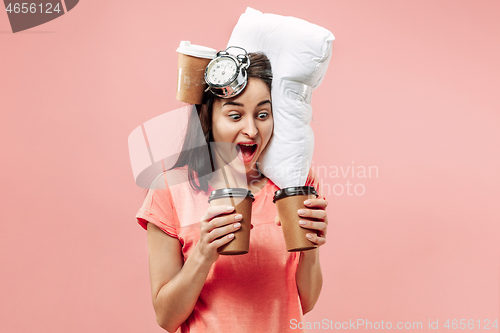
<point x="241" y="199"/>
<point x="288" y="201"/>
<point x="191" y="64"/>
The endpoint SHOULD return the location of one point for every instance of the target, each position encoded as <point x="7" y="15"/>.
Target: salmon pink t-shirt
<point x="254" y="292"/>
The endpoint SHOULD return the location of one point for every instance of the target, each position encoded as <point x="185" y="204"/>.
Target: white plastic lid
<point x="186" y="47"/>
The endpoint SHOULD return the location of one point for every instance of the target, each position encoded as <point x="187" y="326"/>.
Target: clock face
<point x="222" y="71"/>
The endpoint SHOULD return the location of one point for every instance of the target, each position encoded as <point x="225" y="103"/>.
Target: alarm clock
<point x="226" y="74"/>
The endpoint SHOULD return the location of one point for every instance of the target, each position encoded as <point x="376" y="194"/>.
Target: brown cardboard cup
<point x="241" y="199"/>
<point x="191" y="64"/>
<point x="288" y="201"/>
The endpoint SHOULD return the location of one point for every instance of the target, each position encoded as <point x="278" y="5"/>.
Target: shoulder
<point x="314" y="181"/>
<point x="169" y="178"/>
<point x="311" y="180"/>
<point x="312" y="177"/>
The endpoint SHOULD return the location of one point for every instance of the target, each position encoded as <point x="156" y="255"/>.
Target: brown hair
<point x="198" y="161"/>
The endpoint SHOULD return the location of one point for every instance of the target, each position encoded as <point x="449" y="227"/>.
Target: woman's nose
<point x="250" y="128"/>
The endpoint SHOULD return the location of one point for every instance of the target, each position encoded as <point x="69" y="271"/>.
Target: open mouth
<point x="246" y="152"/>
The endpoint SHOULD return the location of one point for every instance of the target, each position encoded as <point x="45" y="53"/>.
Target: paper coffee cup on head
<point x="191" y="64"/>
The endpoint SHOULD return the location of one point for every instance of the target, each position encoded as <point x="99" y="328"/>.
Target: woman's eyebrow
<point x="240" y="104"/>
<point x="232" y="103"/>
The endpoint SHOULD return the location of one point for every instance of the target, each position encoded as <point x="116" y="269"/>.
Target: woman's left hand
<point x="314" y="217"/>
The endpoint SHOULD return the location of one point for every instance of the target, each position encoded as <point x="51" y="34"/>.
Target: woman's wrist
<point x="201" y="258"/>
<point x="311" y="256"/>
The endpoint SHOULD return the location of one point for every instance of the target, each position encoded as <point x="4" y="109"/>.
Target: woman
<point x="194" y="289"/>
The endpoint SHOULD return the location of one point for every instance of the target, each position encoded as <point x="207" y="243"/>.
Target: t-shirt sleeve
<point x="158" y="208"/>
<point x="314" y="181"/>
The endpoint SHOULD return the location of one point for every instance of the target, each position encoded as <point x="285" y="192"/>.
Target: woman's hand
<point x="315" y="218"/>
<point x="217" y="227"/>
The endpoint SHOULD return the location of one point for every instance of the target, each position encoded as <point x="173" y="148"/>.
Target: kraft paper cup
<point x="191" y="64"/>
<point x="241" y="199"/>
<point x="288" y="201"/>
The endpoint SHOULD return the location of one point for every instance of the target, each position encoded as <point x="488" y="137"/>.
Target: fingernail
<point x="307" y="202"/>
<point x="309" y="236"/>
<point x="236" y="225"/>
<point x="301" y="222"/>
<point x="301" y="212"/>
<point x="238" y="217"/>
<point x="229" y="208"/>
<point x="230" y="236"/>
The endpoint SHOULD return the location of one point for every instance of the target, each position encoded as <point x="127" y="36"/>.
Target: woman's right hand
<point x="217" y="227"/>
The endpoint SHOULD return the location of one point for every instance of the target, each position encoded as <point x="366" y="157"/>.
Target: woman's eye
<point x="263" y="115"/>
<point x="234" y="116"/>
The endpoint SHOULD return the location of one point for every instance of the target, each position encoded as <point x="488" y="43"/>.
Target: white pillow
<point x="299" y="52"/>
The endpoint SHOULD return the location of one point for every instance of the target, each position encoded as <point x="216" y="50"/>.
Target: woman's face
<point x="245" y="120"/>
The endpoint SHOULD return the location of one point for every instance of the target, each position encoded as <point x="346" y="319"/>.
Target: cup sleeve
<point x="314" y="181"/>
<point x="158" y="208"/>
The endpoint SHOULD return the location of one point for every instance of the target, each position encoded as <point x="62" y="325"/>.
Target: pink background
<point x="412" y="89"/>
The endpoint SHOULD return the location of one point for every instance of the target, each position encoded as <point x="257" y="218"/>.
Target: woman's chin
<point x="249" y="167"/>
<point x="245" y="168"/>
<point x="248" y="163"/>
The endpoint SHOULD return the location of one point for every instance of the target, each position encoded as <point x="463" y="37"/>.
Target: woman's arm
<point x="308" y="276"/>
<point x="309" y="279"/>
<point x="176" y="286"/>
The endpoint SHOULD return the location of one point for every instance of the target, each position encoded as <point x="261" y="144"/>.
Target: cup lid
<point x="230" y="192"/>
<point x="291" y="191"/>
<point x="199" y="51"/>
